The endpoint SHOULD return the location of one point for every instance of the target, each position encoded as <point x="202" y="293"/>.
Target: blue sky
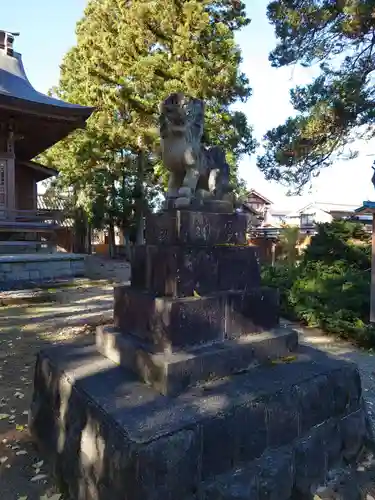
<point x="48" y="31"/>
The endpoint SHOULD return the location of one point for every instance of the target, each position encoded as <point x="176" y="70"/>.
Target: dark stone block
<point x="238" y="268"/>
<point x="353" y="430"/>
<point x="180" y="271"/>
<point x="255" y="310"/>
<point x="169" y="468"/>
<point x="318" y="452"/>
<point x="139" y="266"/>
<point x="172" y="373"/>
<point x="190" y="227"/>
<point x="249" y="445"/>
<point x="310" y="397"/>
<point x="268" y="478"/>
<point x="85" y="445"/>
<point x="276" y="475"/>
<point x="310" y="461"/>
<point x="328" y="395"/>
<point x="346" y="392"/>
<point x="111" y="437"/>
<point x="332" y="443"/>
<point x="212" y="461"/>
<point x="168" y="322"/>
<point x="239" y="484"/>
<point x="341" y="394"/>
<point x="282" y="412"/>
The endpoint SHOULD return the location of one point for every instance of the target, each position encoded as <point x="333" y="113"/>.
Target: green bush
<point x="330" y="288"/>
<point x="281" y="277"/>
<point x="335" y="241"/>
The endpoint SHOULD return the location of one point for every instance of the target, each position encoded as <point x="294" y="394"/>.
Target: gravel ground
<point x="24" y="329"/>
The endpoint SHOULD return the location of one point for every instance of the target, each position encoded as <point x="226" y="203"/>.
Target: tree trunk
<point x="140" y="198"/>
<point x="80" y="231"/>
<point x="88" y="238"/>
<point x="111" y="239"/>
<point x="111" y="226"/>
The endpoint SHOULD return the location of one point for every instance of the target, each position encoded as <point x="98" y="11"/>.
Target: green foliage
<point x="281" y="277"/>
<point x="338" y="106"/>
<point x="330" y="288"/>
<point x="335" y="242"/>
<point x="129" y="56"/>
<point x="288" y="241"/>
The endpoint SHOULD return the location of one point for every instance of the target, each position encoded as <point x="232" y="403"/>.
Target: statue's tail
<point x="219" y="161"/>
<point x="220" y="170"/>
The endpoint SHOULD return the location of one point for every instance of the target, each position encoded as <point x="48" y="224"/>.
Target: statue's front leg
<point x="174" y="184"/>
<point x="188" y="188"/>
<point x="189" y="184"/>
<point x="213" y="182"/>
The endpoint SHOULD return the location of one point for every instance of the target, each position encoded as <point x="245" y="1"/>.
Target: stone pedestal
<point x="196" y="310"/>
<point x="196" y="392"/>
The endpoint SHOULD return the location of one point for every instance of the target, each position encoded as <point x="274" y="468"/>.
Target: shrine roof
<point x="20" y="102"/>
<point x="41" y="172"/>
<point x="14" y="85"/>
<point x="368" y="207"/>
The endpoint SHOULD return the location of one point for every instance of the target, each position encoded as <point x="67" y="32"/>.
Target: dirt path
<point x="24" y="330"/>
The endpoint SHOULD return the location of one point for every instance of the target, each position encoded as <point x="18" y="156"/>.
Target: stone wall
<point x="28" y="270"/>
<point x="98" y="268"/>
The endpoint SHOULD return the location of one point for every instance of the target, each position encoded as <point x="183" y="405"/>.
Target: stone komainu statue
<point x="196" y="172"/>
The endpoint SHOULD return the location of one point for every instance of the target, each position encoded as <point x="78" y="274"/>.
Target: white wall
<point x="321" y="216"/>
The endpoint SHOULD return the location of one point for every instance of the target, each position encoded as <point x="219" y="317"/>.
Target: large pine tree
<point x="129" y="56"/>
<point x="339" y="105"/>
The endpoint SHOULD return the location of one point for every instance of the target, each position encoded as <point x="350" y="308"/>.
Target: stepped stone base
<point x="169" y="322"/>
<point x="273" y="433"/>
<point x="172" y="372"/>
<point x="189" y="227"/>
<point x="178" y="271"/>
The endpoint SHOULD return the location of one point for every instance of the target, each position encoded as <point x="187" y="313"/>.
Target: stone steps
<point x="172" y="372"/>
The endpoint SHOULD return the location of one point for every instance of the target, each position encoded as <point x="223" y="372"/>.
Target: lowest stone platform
<point x="196" y="392"/>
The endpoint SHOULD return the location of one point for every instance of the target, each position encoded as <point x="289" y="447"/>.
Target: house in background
<point x="276" y="218"/>
<point x="257" y="205"/>
<point x="258" y="202"/>
<point x="272" y="219"/>
<point x="266" y="235"/>
<point x="314" y="213"/>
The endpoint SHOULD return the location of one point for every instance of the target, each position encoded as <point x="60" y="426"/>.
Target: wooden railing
<point x="50" y="214"/>
<point x="45" y="218"/>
